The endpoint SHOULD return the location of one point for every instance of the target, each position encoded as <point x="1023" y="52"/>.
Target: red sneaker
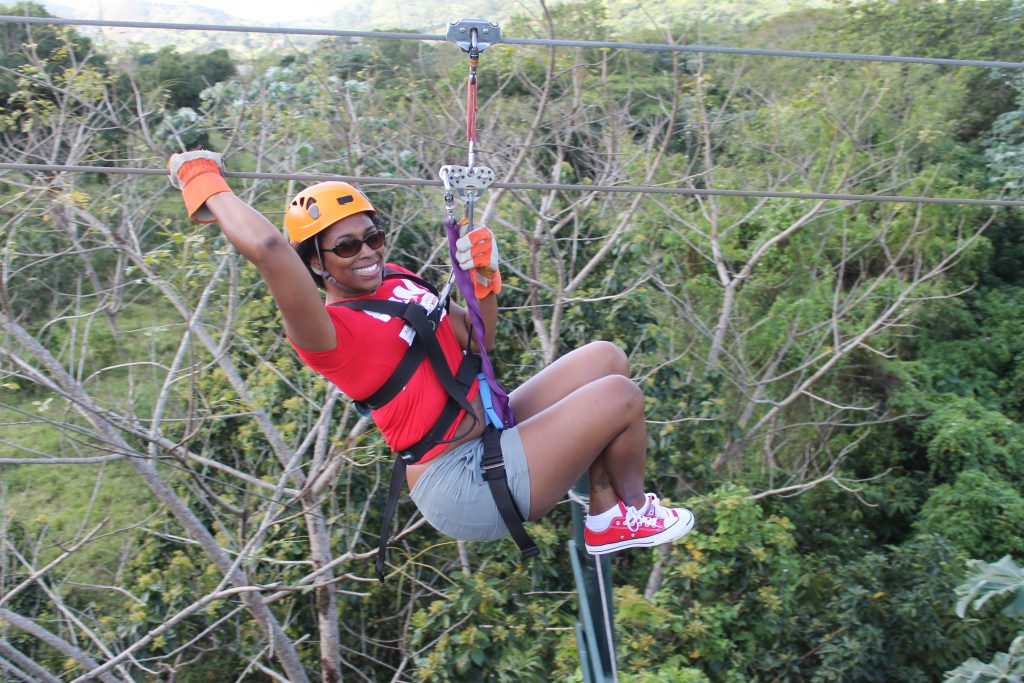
<point x="631" y="529"/>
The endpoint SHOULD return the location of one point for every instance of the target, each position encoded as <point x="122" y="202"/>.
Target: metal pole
<point x="595" y="637"/>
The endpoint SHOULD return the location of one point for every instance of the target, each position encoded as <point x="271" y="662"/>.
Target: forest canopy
<point x="834" y="387"/>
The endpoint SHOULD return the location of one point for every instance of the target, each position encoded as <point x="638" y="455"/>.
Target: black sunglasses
<point x="350" y="246"/>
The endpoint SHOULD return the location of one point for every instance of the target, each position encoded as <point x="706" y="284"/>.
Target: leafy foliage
<point x="985" y="582"/>
<point x="486" y="628"/>
<point x="991" y="580"/>
<point x="962" y="434"/>
<point x="731" y="587"/>
<point x="59" y="48"/>
<point x="1005" y="147"/>
<point x="983" y="516"/>
<point x="872" y="348"/>
<point x="1005" y="666"/>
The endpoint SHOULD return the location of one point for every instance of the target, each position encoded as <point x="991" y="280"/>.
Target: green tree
<point x="985" y="582"/>
<point x="962" y="434"/>
<point x="981" y="514"/>
<point x="1004" y="147"/>
<point x="59" y="46"/>
<point x="174" y="82"/>
<point x="182" y="77"/>
<point x="888" y="616"/>
<point x="730" y="588"/>
<point x="968" y="29"/>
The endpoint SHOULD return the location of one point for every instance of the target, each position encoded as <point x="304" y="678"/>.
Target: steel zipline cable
<point x="528" y="41"/>
<point x="380" y="35"/>
<point x="630" y="189"/>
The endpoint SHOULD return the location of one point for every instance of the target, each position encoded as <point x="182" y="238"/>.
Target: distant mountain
<point x="368" y="15"/>
<point x="349" y="15"/>
<point x="646" y="14"/>
<point x="354" y="15"/>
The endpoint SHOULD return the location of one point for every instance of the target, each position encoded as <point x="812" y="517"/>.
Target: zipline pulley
<point x="467" y="181"/>
<point x="473" y="33"/>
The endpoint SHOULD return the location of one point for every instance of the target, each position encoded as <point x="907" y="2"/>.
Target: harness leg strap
<point x="493" y="465"/>
<point x="394" y="492"/>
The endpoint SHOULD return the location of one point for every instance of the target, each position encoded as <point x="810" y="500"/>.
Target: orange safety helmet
<point x="320" y="206"/>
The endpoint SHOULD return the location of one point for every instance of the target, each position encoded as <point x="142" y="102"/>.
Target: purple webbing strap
<point x="465" y="284"/>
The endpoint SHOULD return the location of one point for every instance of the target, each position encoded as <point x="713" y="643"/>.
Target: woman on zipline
<point x="580" y="414"/>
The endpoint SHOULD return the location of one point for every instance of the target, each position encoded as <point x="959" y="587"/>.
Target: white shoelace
<point x="634" y="519"/>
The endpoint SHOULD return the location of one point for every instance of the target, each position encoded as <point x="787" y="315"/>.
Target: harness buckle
<point x="495" y="472"/>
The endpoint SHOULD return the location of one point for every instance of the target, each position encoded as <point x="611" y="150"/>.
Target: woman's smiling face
<point x="361" y="272"/>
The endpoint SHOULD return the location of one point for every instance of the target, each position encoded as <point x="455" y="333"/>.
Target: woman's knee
<point x="608" y="356"/>
<point x="624" y="393"/>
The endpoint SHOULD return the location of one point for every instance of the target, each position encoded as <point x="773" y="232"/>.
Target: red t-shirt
<point x="370" y="347"/>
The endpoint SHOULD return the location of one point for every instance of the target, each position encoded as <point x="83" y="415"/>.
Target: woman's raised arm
<point x="208" y="199"/>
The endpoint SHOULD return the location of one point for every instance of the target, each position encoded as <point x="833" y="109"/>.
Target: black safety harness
<point x="425" y="347"/>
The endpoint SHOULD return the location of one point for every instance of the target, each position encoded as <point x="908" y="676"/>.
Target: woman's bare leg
<point x="601" y="421"/>
<point x="567" y="374"/>
<point x="581" y="413"/>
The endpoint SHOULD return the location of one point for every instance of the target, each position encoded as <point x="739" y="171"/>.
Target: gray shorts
<point x="455" y="499"/>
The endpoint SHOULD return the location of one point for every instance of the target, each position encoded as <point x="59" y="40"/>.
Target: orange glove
<point x="199" y="175"/>
<point x="483" y="285"/>
<point x="477" y="252"/>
